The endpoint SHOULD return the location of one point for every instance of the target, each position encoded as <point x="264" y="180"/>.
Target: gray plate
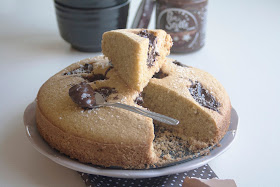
<point x="40" y="145"/>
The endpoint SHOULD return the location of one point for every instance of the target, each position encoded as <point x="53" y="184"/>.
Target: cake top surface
<point x="104" y="124"/>
<point x="193" y="84"/>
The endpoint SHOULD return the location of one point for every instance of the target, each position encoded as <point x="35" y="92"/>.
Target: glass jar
<point x="185" y="21"/>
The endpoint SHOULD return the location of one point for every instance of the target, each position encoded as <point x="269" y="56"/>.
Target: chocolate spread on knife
<point x="83" y="95"/>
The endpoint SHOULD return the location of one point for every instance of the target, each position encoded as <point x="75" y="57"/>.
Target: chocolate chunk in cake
<point x="179" y="64"/>
<point x="160" y="75"/>
<point x="106" y="91"/>
<point x="83" y="95"/>
<point x="139" y="99"/>
<point x="111" y="67"/>
<point x="152" y="51"/>
<point x="87" y="68"/>
<point x="95" y="77"/>
<point x="203" y="96"/>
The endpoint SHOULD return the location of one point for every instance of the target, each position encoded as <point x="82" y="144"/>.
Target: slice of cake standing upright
<point x="137" y="54"/>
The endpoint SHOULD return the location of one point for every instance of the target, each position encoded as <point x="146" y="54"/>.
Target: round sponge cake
<point x="109" y="136"/>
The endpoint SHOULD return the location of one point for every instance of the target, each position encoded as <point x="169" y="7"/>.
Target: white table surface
<point x="242" y="51"/>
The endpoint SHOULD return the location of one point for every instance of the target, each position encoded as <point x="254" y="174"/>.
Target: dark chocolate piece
<point x="95" y="77"/>
<point x="106" y="91"/>
<point x="116" y="97"/>
<point x="83" y="95"/>
<point x="152" y="51"/>
<point x="203" y="96"/>
<point x="111" y="67"/>
<point x="180" y="64"/>
<point x="139" y="99"/>
<point x="87" y="68"/>
<point x="160" y="75"/>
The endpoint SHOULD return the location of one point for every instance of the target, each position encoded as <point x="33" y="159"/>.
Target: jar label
<point x="181" y="24"/>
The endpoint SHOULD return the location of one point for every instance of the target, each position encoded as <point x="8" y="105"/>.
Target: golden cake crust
<point x="94" y="135"/>
<point x="95" y="152"/>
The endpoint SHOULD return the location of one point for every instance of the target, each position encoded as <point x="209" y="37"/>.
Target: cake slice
<point x="195" y="98"/>
<point x="136" y="54"/>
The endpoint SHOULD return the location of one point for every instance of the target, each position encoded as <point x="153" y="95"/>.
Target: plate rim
<point x="42" y="147"/>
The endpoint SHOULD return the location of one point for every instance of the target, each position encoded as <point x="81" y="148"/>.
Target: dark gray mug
<point x="83" y="24"/>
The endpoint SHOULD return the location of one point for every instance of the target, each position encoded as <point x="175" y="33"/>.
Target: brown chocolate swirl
<point x="203" y="96"/>
<point x="152" y="51"/>
<point x="160" y="75"/>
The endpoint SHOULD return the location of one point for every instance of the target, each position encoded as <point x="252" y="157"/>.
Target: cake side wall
<point x="87" y="151"/>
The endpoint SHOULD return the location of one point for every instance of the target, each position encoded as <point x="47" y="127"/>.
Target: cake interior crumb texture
<point x="134" y="57"/>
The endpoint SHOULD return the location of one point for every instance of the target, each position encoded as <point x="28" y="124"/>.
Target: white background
<point x="242" y="52"/>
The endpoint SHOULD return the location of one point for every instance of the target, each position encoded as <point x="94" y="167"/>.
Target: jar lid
<point x="143" y="15"/>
